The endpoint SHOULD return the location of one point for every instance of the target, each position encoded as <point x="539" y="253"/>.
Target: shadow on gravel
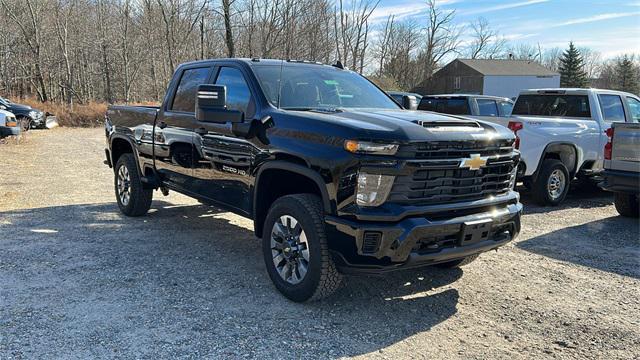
<point x="578" y="197"/>
<point x="84" y="281"/>
<point x="611" y="244"/>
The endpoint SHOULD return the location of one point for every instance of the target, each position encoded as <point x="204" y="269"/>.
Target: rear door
<point x="488" y="110"/>
<point x="173" y="130"/>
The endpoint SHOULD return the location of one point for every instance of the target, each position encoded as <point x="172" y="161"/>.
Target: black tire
<point x="458" y="263"/>
<point x="25" y="123"/>
<point x="139" y="200"/>
<point x="627" y="204"/>
<point x="321" y="278"/>
<point x="541" y="193"/>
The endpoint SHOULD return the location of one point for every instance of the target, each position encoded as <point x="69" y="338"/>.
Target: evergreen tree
<point x="626" y="75"/>
<point x="571" y="69"/>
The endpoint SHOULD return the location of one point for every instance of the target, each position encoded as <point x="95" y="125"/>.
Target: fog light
<point x="373" y="189"/>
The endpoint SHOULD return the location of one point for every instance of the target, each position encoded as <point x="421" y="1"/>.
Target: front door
<point x="224" y="162"/>
<point x="173" y="131"/>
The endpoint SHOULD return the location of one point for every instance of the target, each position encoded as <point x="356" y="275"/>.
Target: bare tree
<point x="443" y="37"/>
<point x="486" y="43"/>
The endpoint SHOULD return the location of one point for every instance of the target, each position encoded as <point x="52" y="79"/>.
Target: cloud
<point x="595" y="18"/>
<point x="405" y="10"/>
<point x="502" y="7"/>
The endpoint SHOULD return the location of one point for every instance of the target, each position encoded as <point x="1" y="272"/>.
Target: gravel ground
<point x="79" y="280"/>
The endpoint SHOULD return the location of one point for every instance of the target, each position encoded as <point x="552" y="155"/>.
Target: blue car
<point x="8" y="124"/>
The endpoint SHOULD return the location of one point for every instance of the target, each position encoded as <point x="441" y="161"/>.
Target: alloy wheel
<point x="124" y="185"/>
<point x="290" y="249"/>
<point x="556" y="184"/>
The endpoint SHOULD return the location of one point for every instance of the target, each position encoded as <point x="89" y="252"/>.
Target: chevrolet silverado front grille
<point x="441" y="180"/>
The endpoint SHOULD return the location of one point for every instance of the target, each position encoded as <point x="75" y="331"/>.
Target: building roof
<point x="507" y="67"/>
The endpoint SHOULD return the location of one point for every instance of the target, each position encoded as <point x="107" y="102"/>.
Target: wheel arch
<point x="301" y="179"/>
<point x="566" y="152"/>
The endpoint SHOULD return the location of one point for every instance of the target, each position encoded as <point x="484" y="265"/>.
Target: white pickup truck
<point x="561" y="134"/>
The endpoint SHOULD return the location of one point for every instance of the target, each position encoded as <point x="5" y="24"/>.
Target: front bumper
<point x="421" y="241"/>
<point x="9" y="131"/>
<point x="621" y="181"/>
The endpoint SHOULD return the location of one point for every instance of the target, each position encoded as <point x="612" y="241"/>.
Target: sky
<point x="611" y="27"/>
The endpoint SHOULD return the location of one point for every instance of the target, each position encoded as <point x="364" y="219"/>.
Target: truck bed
<point x="131" y="116"/>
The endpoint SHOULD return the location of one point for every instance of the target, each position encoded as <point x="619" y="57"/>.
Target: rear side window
<point x="634" y="108"/>
<point x="505" y="108"/>
<point x="185" y="97"/>
<point x="487" y="107"/>
<point x="454" y="106"/>
<point x="553" y="105"/>
<point x="612" y="108"/>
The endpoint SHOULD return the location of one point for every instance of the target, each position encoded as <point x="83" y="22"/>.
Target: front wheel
<point x="295" y="250"/>
<point x="133" y="199"/>
<point x="627" y="204"/>
<point x="552" y="184"/>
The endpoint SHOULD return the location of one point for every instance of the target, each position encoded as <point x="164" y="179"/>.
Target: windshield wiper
<point x="318" y="109"/>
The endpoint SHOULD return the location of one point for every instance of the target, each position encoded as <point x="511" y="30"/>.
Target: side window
<point x="634" y="108"/>
<point x="238" y="93"/>
<point x="185" y="97"/>
<point x="612" y="108"/>
<point x="487" y="107"/>
<point x="505" y="108"/>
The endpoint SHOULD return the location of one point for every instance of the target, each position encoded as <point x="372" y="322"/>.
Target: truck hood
<point x="406" y="125"/>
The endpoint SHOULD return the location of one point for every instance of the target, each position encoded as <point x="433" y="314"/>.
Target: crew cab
<point x="561" y="134"/>
<point x="483" y="107"/>
<point x="335" y="175"/>
<point x="622" y="167"/>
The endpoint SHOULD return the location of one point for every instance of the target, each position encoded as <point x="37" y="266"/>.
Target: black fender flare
<point x="133" y="148"/>
<point x="298" y="169"/>
<point x="546" y="150"/>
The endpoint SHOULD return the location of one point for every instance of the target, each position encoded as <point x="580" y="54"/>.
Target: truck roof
<point x="470" y="95"/>
<point x="574" y="91"/>
<point x="256" y="61"/>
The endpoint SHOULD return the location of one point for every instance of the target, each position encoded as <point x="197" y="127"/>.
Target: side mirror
<point x="2" y="107"/>
<point x="211" y="105"/>
<point x="409" y="102"/>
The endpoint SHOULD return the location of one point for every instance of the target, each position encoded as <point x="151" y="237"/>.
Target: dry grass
<point x="80" y="115"/>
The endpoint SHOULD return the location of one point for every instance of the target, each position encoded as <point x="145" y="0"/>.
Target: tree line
<point x="77" y="51"/>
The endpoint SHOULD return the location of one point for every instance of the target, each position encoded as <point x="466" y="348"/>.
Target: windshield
<point x="311" y="87"/>
<point x="553" y="105"/>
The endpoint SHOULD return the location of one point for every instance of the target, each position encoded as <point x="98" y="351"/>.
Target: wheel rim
<point x="290" y="249"/>
<point x="124" y="185"/>
<point x="556" y="184"/>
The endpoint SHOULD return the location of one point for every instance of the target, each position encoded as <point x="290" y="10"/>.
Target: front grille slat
<point x="437" y="177"/>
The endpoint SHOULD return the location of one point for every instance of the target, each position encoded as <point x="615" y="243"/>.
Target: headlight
<point x="364" y="147"/>
<point x="373" y="189"/>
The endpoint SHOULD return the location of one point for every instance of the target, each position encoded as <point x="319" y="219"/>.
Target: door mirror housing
<point x="409" y="102"/>
<point x="211" y="105"/>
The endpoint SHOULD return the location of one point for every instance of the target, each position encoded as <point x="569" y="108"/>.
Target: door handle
<point x="162" y="125"/>
<point x="201" y="131"/>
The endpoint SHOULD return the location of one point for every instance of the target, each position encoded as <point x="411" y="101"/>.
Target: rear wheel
<point x="295" y="249"/>
<point x="552" y="184"/>
<point x="133" y="199"/>
<point x="627" y="204"/>
<point x="458" y="263"/>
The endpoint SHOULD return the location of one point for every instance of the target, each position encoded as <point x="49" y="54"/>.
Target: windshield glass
<point x="454" y="106"/>
<point x="319" y="87"/>
<point x="553" y="105"/>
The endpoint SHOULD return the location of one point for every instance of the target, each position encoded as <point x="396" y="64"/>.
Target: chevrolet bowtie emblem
<point x="474" y="162"/>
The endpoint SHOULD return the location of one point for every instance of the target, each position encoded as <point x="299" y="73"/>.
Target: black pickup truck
<point x="335" y="175"/>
